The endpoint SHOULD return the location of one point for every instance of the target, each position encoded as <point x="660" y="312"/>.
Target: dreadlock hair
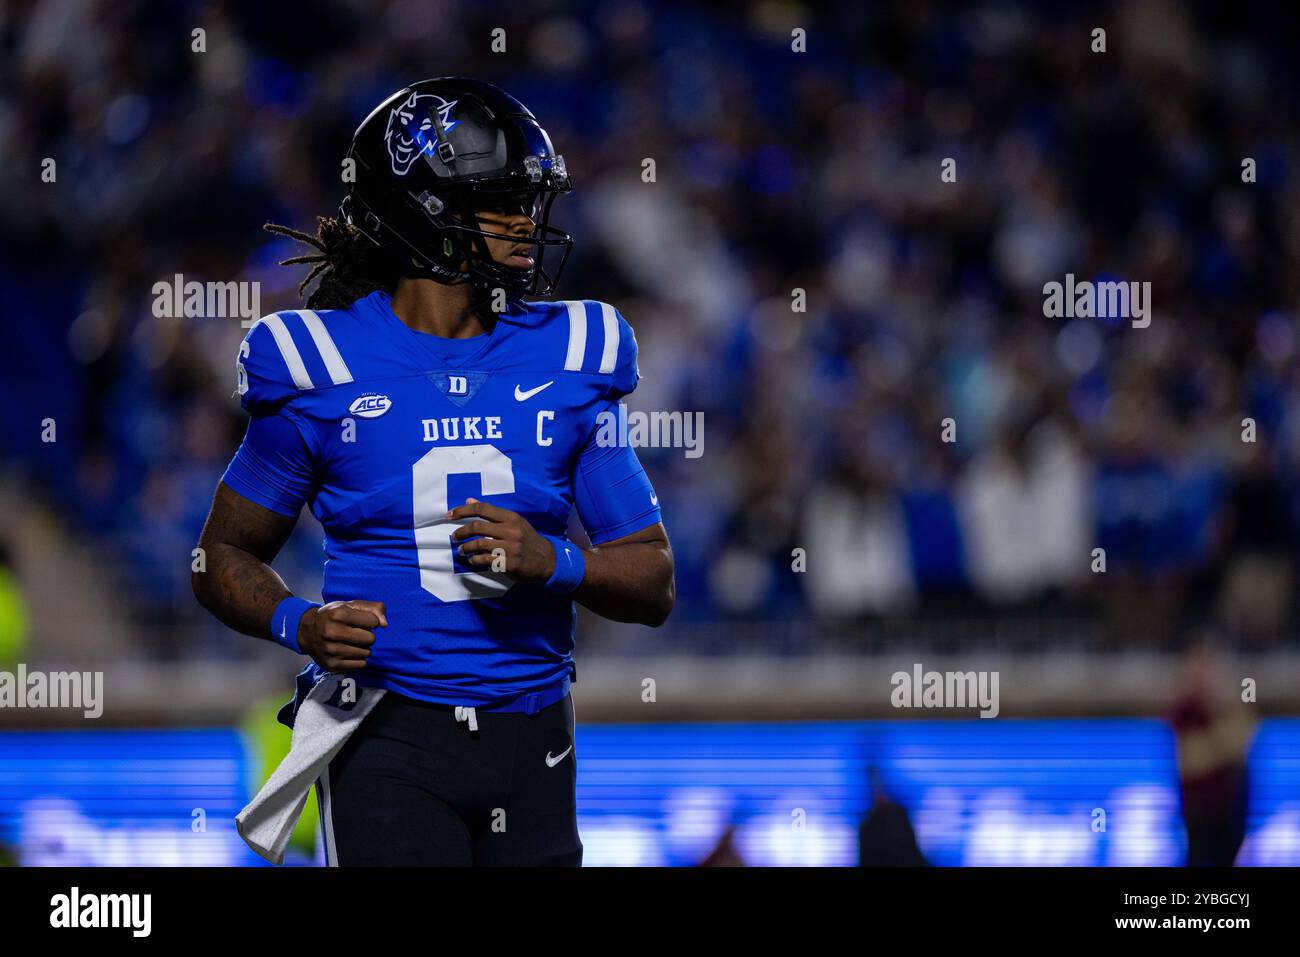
<point x="349" y="265"/>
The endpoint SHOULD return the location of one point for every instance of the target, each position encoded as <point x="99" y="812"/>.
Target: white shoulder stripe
<point x="288" y="351"/>
<point x="609" y="355"/>
<point x="329" y="352"/>
<point x="577" y="335"/>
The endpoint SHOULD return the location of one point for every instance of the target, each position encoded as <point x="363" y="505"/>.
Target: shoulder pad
<point x="597" y="339"/>
<point x="284" y="354"/>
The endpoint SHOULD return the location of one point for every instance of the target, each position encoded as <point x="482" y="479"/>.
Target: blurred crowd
<point x="893" y="430"/>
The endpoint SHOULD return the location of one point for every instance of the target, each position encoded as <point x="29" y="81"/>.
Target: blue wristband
<point x="570" y="566"/>
<point x="285" y="619"/>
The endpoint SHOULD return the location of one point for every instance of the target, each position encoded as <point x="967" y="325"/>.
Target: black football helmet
<point x="432" y="155"/>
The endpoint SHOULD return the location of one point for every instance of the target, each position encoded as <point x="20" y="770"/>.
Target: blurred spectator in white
<point x="1026" y="513"/>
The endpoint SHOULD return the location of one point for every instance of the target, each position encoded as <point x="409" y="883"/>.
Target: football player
<point x="442" y="428"/>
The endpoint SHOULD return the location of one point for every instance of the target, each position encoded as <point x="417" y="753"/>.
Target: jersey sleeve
<point x="270" y="370"/>
<point x="612" y="493"/>
<point x="625" y="374"/>
<point x="597" y="341"/>
<point x="273" y="465"/>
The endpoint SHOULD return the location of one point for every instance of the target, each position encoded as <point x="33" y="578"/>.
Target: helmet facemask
<point x="462" y="224"/>
<point x="458" y="239"/>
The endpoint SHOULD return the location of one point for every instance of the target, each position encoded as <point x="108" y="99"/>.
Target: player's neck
<point x="439" y="310"/>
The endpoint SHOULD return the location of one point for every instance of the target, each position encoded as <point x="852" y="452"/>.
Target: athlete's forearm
<point x="234" y="580"/>
<point x="629" y="581"/>
<point x="239" y="589"/>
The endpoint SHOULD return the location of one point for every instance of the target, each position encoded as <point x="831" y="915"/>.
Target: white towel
<point x="319" y="732"/>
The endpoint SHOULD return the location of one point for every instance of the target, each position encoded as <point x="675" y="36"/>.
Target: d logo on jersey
<point x="459" y="387"/>
<point x="411" y="134"/>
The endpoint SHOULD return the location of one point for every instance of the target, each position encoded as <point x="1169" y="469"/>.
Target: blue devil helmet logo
<point x="411" y="134"/>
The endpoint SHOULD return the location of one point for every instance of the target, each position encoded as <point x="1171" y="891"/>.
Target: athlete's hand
<point x="524" y="555"/>
<point x="338" y="636"/>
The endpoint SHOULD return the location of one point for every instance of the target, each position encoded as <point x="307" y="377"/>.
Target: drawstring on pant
<point x="467" y="715"/>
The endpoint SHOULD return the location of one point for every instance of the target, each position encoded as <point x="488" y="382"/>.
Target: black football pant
<point x="415" y="786"/>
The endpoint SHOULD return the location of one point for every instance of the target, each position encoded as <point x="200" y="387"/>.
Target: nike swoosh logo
<point x="283" y="625"/>
<point x="552" y="762"/>
<point x="520" y="395"/>
<point x="654" y="499"/>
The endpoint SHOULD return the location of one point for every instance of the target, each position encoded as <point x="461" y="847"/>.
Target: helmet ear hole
<point x="447" y="246"/>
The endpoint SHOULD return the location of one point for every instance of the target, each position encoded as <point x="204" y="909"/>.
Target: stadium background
<point x="771" y="738"/>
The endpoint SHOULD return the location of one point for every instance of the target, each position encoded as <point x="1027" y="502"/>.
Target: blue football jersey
<point x="381" y="429"/>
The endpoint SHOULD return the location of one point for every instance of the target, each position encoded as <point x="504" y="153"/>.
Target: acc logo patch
<point x="370" y="406"/>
